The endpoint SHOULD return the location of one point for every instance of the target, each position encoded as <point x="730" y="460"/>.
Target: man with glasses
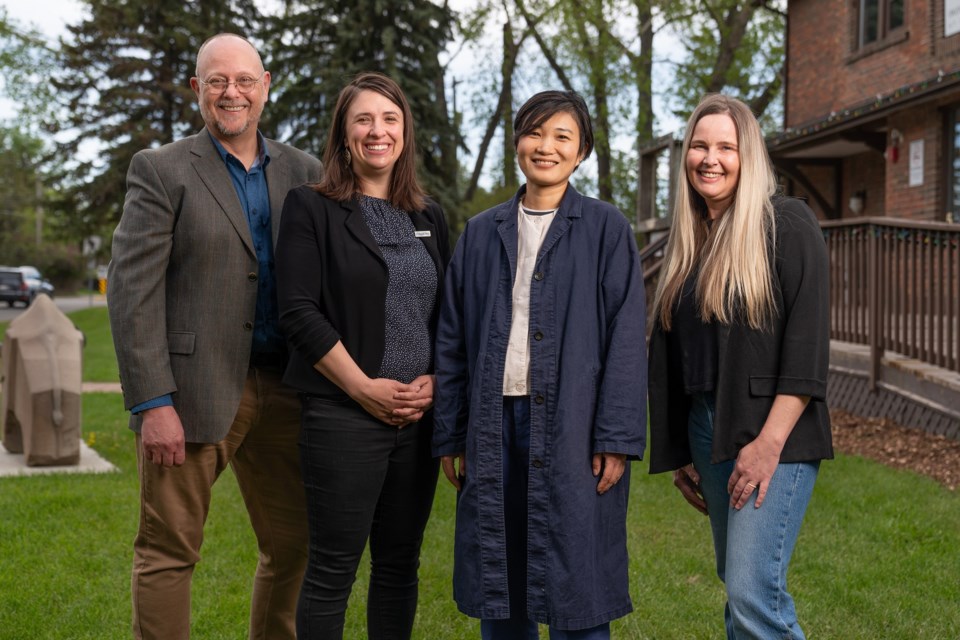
<point x="193" y="310"/>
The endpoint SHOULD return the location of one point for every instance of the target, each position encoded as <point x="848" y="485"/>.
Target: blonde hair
<point x="735" y="255"/>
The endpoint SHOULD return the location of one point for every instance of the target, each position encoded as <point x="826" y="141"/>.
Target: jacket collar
<point x="571" y="206"/>
<point x="357" y="226"/>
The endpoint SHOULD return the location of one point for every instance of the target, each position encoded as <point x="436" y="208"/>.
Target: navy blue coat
<point x="588" y="395"/>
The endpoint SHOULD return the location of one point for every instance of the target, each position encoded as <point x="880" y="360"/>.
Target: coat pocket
<point x="763" y="386"/>
<point x="181" y="342"/>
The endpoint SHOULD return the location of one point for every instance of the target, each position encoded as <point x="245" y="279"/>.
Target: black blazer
<point x="791" y="358"/>
<point x="332" y="283"/>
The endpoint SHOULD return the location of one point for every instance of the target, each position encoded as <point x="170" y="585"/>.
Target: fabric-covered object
<point x="42" y="377"/>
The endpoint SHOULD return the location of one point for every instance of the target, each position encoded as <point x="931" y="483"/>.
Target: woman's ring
<point x="751" y="485"/>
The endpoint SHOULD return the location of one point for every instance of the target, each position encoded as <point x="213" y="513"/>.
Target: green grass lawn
<point x="878" y="557"/>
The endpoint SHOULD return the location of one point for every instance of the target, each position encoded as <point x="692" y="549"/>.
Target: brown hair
<point x="339" y="182"/>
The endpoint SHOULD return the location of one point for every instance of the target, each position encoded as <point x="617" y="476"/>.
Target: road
<point x="64" y="303"/>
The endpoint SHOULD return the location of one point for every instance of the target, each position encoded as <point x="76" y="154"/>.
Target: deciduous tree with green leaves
<point x="733" y="47"/>
<point x="605" y="49"/>
<point x="26" y="62"/>
<point x="21" y="191"/>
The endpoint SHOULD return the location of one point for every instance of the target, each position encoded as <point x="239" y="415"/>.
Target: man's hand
<point x="162" y="436"/>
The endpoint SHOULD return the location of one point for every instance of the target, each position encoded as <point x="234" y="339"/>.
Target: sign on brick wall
<point x="916" y="162"/>
<point x="951" y="17"/>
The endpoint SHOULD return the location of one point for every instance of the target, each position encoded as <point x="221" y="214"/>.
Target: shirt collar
<point x="263" y="154"/>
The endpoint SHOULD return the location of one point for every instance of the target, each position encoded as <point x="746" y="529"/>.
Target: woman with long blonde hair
<point x="738" y="361"/>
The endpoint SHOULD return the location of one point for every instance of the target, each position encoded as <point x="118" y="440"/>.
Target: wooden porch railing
<point x="894" y="286"/>
<point x="652" y="236"/>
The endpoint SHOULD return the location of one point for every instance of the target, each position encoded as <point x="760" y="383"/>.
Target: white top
<point x="532" y="227"/>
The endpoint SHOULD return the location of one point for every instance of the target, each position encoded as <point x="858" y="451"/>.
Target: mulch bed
<point x="897" y="446"/>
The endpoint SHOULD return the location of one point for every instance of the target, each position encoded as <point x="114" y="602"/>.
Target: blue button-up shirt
<point x="251" y="187"/>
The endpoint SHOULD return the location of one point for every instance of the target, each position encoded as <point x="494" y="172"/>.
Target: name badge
<point x="421" y="234"/>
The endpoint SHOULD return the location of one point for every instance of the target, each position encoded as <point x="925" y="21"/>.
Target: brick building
<point x="872" y="108"/>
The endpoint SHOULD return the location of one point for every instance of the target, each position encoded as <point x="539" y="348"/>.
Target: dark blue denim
<point x="516" y="458"/>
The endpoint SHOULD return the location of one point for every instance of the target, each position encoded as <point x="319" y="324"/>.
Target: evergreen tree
<point x="123" y="84"/>
<point x="26" y="63"/>
<point x="317" y="47"/>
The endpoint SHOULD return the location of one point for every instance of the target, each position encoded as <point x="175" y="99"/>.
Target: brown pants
<point x="262" y="449"/>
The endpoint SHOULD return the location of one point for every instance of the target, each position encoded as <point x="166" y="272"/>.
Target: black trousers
<point x="363" y="479"/>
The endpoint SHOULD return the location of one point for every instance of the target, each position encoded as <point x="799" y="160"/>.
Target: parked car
<point x="22" y="284"/>
<point x="36" y="282"/>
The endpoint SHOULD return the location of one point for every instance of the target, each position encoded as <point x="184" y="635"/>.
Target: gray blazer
<point x="182" y="282"/>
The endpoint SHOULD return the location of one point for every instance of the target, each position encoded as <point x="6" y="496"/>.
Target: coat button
<point x="538" y="335"/>
<point x="537" y="464"/>
<point x="248" y="325"/>
<point x="538" y="399"/>
<point x="538" y="275"/>
<point x="252" y="277"/>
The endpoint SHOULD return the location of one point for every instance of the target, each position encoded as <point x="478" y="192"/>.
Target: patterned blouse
<point x="411" y="291"/>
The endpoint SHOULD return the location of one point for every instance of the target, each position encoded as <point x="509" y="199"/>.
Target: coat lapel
<point x="507" y="217"/>
<point x="214" y="175"/>
<point x="278" y="177"/>
<point x="357" y="226"/>
<point x="422" y="223"/>
<point x="570" y="208"/>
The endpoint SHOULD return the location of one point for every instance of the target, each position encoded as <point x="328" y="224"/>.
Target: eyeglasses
<point x="244" y="84"/>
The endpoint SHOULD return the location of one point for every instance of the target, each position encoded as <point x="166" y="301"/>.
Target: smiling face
<point x="549" y="154"/>
<point x="374" y="136"/>
<point x="231" y="115"/>
<point x="713" y="162"/>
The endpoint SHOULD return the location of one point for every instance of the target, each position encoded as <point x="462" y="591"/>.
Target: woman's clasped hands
<point x="396" y="403"/>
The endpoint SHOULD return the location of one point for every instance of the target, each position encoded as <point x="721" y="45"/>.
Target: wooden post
<point x="874" y="339"/>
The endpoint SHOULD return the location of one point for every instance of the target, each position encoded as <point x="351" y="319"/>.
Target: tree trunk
<point x="506" y="107"/>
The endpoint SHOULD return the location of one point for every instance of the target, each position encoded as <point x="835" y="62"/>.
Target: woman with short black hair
<point x="541" y="401"/>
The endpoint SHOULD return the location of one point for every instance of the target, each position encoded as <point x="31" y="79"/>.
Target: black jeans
<point x="363" y="479"/>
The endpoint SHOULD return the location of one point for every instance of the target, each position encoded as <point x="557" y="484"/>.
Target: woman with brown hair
<point x="360" y="262"/>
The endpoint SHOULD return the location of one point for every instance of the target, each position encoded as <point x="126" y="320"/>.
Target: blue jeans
<point x="516" y="457"/>
<point x="753" y="546"/>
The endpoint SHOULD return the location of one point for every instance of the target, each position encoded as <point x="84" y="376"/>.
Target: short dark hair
<point x="547" y="104"/>
<point x="339" y="182"/>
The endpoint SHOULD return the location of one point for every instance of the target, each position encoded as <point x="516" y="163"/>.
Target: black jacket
<point x="332" y="283"/>
<point x="791" y="358"/>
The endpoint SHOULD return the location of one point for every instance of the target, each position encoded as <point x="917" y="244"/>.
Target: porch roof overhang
<point x="859" y="128"/>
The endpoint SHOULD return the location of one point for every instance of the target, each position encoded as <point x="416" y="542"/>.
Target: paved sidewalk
<point x="101" y="387"/>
